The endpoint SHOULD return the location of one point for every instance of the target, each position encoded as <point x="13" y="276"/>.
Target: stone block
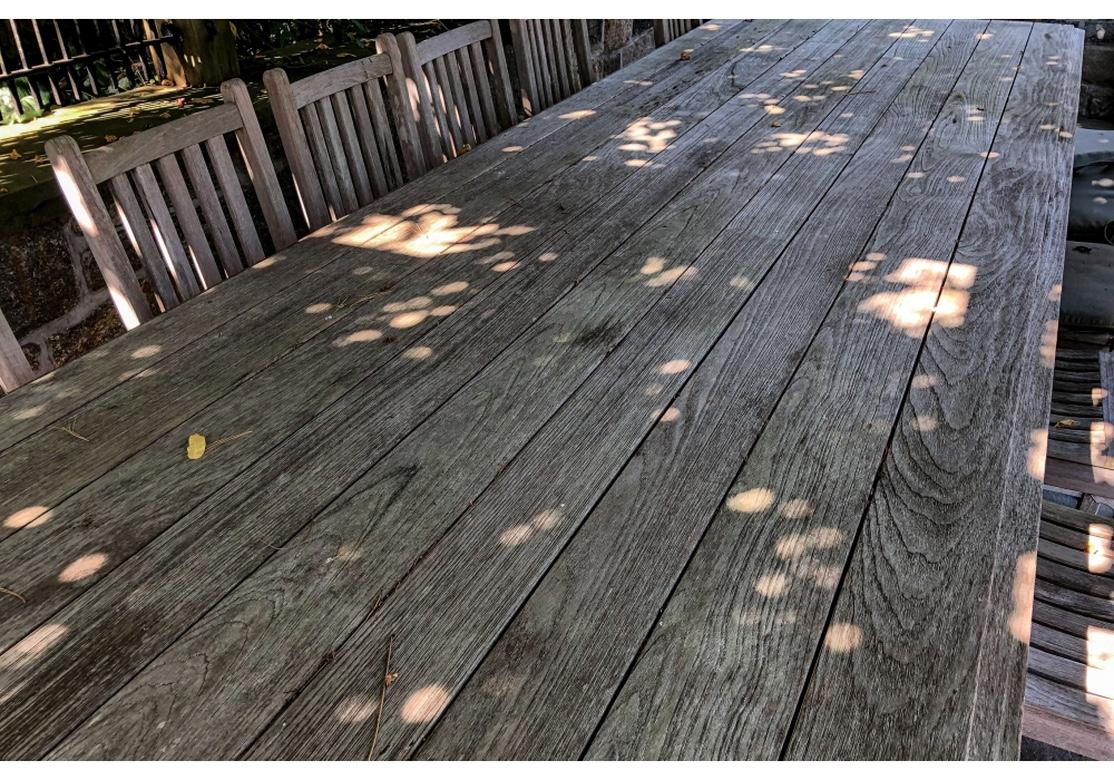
<point x="37" y="280"/>
<point x="100" y="326"/>
<point x="616" y="33"/>
<point x="1098" y="63"/>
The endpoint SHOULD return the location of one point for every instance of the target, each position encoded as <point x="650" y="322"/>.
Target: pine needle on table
<point x="388" y="679"/>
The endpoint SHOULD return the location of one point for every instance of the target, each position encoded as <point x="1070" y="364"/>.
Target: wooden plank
<point x="135" y="225"/>
<point x="542" y="204"/>
<point x="37" y="406"/>
<point x="149" y="145"/>
<point x="353" y="152"/>
<point x="436" y="649"/>
<point x="526" y="291"/>
<point x="260" y="169"/>
<point x="295" y="145"/>
<point x="420" y="100"/>
<point x="340" y="78"/>
<point x="79" y="189"/>
<point x="522" y="44"/>
<point x="368" y="144"/>
<point x="546" y="383"/>
<point x="166" y="232"/>
<point x="473" y="104"/>
<point x="1067" y="622"/>
<point x="1055" y="565"/>
<point x="323" y="161"/>
<point x="208" y="199"/>
<point x="14" y="368"/>
<point x="658" y="506"/>
<point x="242" y="220"/>
<point x="1068" y="598"/>
<point x="185" y="211"/>
<point x="337" y="157"/>
<point x="384" y="137"/>
<point x="407" y="130"/>
<point x="1062" y="716"/>
<point x="1094" y="480"/>
<point x="445" y="101"/>
<point x="772" y="558"/>
<point x="1076" y="674"/>
<point x="457" y="38"/>
<point x="918" y="579"/>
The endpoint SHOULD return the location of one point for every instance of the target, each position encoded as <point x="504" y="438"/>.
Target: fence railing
<point x="65" y="61"/>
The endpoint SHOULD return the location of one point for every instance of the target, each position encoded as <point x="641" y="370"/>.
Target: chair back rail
<point x="346" y="142"/>
<point x="552" y="60"/>
<point x="179" y="199"/>
<point x="458" y="87"/>
<point x="665" y="30"/>
<point x="14" y="368"/>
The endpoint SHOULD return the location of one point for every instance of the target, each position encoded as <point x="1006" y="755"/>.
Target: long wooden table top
<point x="699" y="416"/>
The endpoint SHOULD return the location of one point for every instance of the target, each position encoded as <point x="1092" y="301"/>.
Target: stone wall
<point x="617" y="43"/>
<point x="1096" y="96"/>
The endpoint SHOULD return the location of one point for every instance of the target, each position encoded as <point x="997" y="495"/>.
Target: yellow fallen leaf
<point x="1067" y="422"/>
<point x="14" y="154"/>
<point x="196" y="446"/>
<point x="686" y="54"/>
<point x="109" y="139"/>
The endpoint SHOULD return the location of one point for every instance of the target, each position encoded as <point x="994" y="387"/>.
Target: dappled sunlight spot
<point x="924" y="424"/>
<point x="148" y="351"/>
<point x="516" y="535"/>
<point x="582" y="113"/>
<point x="425" y="704"/>
<point x="1048" y="343"/>
<point x="741" y="282"/>
<point x="912" y="31"/>
<point x="416" y="302"/>
<point x="356" y="708"/>
<point x="547" y="257"/>
<point x="450" y="288"/>
<point x="1024" y="579"/>
<point x="653" y="265"/>
<point x="442" y="311"/>
<point x="512" y="149"/>
<point x="956" y="179"/>
<point x="773" y="109"/>
<point x="1100" y="658"/>
<point x="772" y="585"/>
<point x="362" y="270"/>
<point x="673" y="366"/>
<point x="652" y="389"/>
<point x="523" y="532"/>
<point x="1100" y="554"/>
<point x="636" y="163"/>
<point x="922" y="300"/>
<point x="795" y="508"/>
<point x="83" y="567"/>
<point x="408" y="320"/>
<point x="358" y="337"/>
<point x="29" y="413"/>
<point x="349" y="553"/>
<point x="1038" y="449"/>
<point x="670" y="414"/>
<point x="747" y="616"/>
<point x="650" y="136"/>
<point x="826" y="577"/>
<point x="753" y="500"/>
<point x="923" y="381"/>
<point x="795" y="545"/>
<point x="418" y="353"/>
<point x="32" y="646"/>
<point x="506" y="265"/>
<point x="843" y="637"/>
<point x="319" y="308"/>
<point x="28" y="517"/>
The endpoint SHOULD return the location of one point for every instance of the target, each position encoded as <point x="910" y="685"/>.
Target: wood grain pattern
<point x="488" y="427"/>
<point x="437" y="383"/>
<point x="41" y="404"/>
<point x="14" y="368"/>
<point x="554" y="203"/>
<point x="921" y="576"/>
<point x="472" y="448"/>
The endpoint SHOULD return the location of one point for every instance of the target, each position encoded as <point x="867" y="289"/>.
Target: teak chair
<point x="665" y="30"/>
<point x="344" y="146"/>
<point x="14" y="368"/>
<point x="552" y="60"/>
<point x="175" y="248"/>
<point x="460" y="90"/>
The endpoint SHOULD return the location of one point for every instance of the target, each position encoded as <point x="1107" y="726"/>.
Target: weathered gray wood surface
<point x="488" y="422"/>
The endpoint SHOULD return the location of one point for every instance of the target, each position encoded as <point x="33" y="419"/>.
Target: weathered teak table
<point x="701" y="415"/>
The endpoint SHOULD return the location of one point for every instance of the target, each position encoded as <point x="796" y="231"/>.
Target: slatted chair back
<point x="665" y="30"/>
<point x="180" y="233"/>
<point x="552" y="60"/>
<point x="348" y="132"/>
<point x="460" y="89"/>
<point x="14" y="368"/>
